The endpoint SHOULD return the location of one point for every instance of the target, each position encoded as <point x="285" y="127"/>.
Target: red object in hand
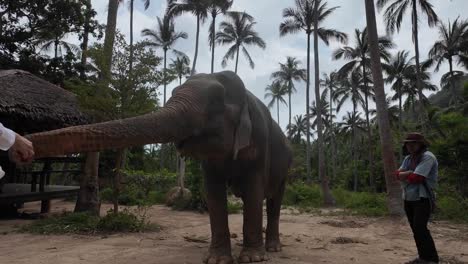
<point x="396" y="174"/>
<point x="415" y="178"/>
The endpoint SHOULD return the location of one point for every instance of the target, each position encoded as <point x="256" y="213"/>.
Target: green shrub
<point x="452" y="208"/>
<point x="156" y="197"/>
<point x="123" y="221"/>
<point x="302" y="195"/>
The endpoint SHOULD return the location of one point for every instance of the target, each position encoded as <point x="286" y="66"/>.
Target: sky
<point x="268" y="15"/>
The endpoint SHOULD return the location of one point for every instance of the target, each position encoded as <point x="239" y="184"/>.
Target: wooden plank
<point x="14" y="193"/>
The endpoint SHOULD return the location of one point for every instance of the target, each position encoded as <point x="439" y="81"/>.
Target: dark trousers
<point x="418" y="213"/>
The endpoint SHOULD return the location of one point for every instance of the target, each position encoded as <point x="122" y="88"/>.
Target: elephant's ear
<point x="243" y="131"/>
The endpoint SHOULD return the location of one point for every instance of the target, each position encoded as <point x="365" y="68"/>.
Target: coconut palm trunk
<point x="332" y="138"/>
<point x="309" y="176"/>
<point x="277" y="110"/>
<point x="237" y="58"/>
<point x="85" y="42"/>
<point x="130" y="68"/>
<point x="369" y="130"/>
<point x="197" y="38"/>
<point x="289" y="101"/>
<point x="400" y="120"/>
<point x="394" y="199"/>
<point x="213" y="44"/>
<point x="109" y="38"/>
<point x="327" y="196"/>
<point x="88" y="196"/>
<point x="422" y="115"/>
<point x="353" y="144"/>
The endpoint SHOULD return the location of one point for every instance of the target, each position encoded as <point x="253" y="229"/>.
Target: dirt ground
<point x="307" y="238"/>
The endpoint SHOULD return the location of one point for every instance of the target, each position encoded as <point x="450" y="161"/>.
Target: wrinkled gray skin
<point x="211" y="117"/>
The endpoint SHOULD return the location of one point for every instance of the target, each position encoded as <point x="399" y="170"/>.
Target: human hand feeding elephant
<point x="211" y="117"/>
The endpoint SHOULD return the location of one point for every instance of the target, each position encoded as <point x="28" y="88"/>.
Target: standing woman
<point x="418" y="174"/>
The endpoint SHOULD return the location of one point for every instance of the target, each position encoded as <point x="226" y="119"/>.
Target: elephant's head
<point x="207" y="117"/>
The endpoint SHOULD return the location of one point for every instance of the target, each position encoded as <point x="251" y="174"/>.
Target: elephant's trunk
<point x="172" y="123"/>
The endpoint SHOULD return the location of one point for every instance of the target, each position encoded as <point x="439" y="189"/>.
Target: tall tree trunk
<point x="452" y="84"/>
<point x="130" y="68"/>
<point x="422" y="108"/>
<point x="289" y="103"/>
<point x="277" y="110"/>
<point x="332" y="138"/>
<point x="88" y="196"/>
<point x="309" y="176"/>
<point x="400" y="121"/>
<point x="394" y="198"/>
<point x="194" y="65"/>
<point x="328" y="199"/>
<point x="353" y="144"/>
<point x="109" y="39"/>
<point x="164" y="75"/>
<point x="84" y="43"/>
<point x="213" y="31"/>
<point x="369" y="130"/>
<point x="163" y="149"/>
<point x="237" y="58"/>
<point x="119" y="164"/>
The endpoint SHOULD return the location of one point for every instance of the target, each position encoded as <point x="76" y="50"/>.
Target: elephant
<point x="215" y="119"/>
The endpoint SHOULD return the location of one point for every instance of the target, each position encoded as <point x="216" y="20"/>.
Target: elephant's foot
<point x="273" y="245"/>
<point x="216" y="256"/>
<point x="249" y="255"/>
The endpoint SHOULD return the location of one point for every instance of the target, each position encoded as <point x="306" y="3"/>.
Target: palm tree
<point x="297" y="129"/>
<point x="394" y="17"/>
<point x="197" y="8"/>
<point x="301" y="18"/>
<point x="397" y="70"/>
<point x="165" y="37"/>
<point x="450" y="47"/>
<point x="238" y="31"/>
<point x="358" y="57"/>
<point x="180" y="66"/>
<point x="276" y="91"/>
<point x="330" y="83"/>
<point x="314" y="111"/>
<point x="109" y="38"/>
<point x="349" y="90"/>
<point x="393" y="187"/>
<point x="411" y="90"/>
<point x="351" y="123"/>
<point x="88" y="13"/>
<point x="215" y="8"/>
<point x="288" y="73"/>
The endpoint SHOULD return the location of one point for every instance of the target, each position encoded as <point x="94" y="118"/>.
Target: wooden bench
<point x="22" y="190"/>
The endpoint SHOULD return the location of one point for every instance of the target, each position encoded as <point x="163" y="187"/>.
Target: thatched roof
<point x="30" y="104"/>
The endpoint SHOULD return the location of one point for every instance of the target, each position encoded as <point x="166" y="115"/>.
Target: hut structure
<point x="29" y="104"/>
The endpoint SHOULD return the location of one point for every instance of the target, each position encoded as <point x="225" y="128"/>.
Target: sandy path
<point x="307" y="240"/>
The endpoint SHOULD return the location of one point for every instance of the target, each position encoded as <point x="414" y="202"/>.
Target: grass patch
<point x="361" y="203"/>
<point x="307" y="197"/>
<point x="84" y="223"/>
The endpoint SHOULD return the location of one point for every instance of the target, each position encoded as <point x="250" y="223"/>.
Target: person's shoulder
<point x="429" y="155"/>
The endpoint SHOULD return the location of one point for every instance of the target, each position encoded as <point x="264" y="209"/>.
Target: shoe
<point x="420" y="261"/>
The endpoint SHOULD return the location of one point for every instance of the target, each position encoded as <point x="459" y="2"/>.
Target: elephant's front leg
<point x="253" y="249"/>
<point x="220" y="249"/>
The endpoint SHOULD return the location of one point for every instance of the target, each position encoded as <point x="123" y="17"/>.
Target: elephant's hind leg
<point x="272" y="243"/>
